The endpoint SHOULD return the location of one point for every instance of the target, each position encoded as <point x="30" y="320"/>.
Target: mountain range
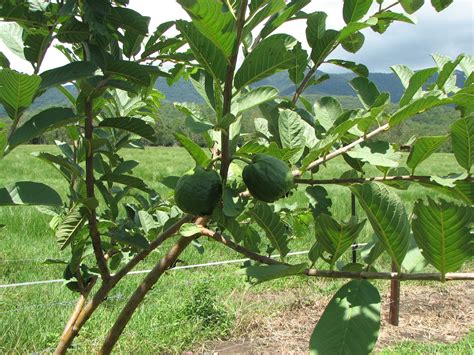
<point x="183" y="91"/>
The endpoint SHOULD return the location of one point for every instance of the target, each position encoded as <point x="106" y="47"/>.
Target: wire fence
<point x="138" y="272"/>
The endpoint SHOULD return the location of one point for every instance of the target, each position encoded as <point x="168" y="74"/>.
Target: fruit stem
<point x="245" y="160"/>
<point x="212" y="162"/>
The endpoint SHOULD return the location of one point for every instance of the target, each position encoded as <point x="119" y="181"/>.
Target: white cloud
<point x="449" y="32"/>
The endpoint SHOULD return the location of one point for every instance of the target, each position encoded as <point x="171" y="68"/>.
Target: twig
<point x="238" y="248"/>
<point x="348" y="181"/>
<point x="367" y="275"/>
<point x="92" y="217"/>
<point x="343" y="150"/>
<point x="228" y="86"/>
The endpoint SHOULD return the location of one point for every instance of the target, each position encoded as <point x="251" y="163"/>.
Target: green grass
<point x="31" y="318"/>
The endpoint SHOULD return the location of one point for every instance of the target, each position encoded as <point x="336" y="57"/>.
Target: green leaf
<point x="358" y="69"/>
<point x="334" y="237"/>
<point x="205" y="52"/>
<point x="388" y="218"/>
<point x="315" y="253"/>
<point x="17" y="91"/>
<point x="354" y="42"/>
<point x="462" y="190"/>
<point x="327" y="110"/>
<point x="130" y="124"/>
<point x="129" y="20"/>
<point x="36" y="41"/>
<point x="280" y="18"/>
<point x="376" y="153"/>
<point x="414" y="260"/>
<point x="414" y="108"/>
<point x="260" y="273"/>
<point x="11" y="35"/>
<point x="189" y="230"/>
<point x="193" y="149"/>
<point x="416" y="82"/>
<point x="291" y="130"/>
<point x="272" y="7"/>
<point x="136" y="240"/>
<point x="214" y="20"/>
<point x="350" y="323"/>
<point x="29" y="193"/>
<point x="423" y="148"/>
<point x="44" y="121"/>
<point x="441" y="230"/>
<point x="275" y="53"/>
<point x="275" y="229"/>
<point x="324" y="45"/>
<point x="411" y="6"/>
<point x="462" y="135"/>
<point x="127" y="180"/>
<point x="132" y="71"/>
<point x="354" y="10"/>
<point x="65" y="166"/>
<point x="389" y="16"/>
<point x="404" y="74"/>
<point x="73" y="31"/>
<point x="366" y="91"/>
<point x="70" y="226"/>
<point x="67" y="73"/>
<point x="318" y="200"/>
<point x="447" y="73"/>
<point x="254" y="97"/>
<point x="4" y="62"/>
<point x="315" y="27"/>
<point x="440" y="5"/>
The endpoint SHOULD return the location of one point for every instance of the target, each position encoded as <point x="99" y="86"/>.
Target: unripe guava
<point x="198" y="191"/>
<point x="268" y="178"/>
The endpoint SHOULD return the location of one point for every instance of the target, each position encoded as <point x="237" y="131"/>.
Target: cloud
<point x="450" y="32"/>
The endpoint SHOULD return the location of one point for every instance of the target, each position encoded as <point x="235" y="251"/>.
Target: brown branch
<point x="153" y="245"/>
<point x="340" y="274"/>
<point x="152" y="277"/>
<point x="228" y="86"/>
<point x="344" y="149"/>
<point x="92" y="216"/>
<point x="303" y="84"/>
<point x="239" y="249"/>
<point x="75" y="314"/>
<point x="67" y="337"/>
<point x="414" y="178"/>
<point x="366" y="275"/>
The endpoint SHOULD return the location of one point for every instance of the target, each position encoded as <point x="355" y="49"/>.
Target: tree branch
<point x="101" y="294"/>
<point x="415" y="178"/>
<point x="228" y="86"/>
<point x="152" y="277"/>
<point x="238" y="248"/>
<point x="92" y="217"/>
<point x="343" y="150"/>
<point x="366" y="275"/>
<point x="452" y="276"/>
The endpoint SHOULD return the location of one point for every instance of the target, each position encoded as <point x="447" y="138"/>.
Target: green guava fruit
<point x="268" y="178"/>
<point x="198" y="191"/>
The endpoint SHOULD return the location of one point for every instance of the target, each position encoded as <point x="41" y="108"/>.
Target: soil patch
<point x="439" y="313"/>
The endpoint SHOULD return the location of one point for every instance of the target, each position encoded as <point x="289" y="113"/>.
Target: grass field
<point x="173" y="316"/>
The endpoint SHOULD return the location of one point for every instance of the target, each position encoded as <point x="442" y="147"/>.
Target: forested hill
<point x="337" y="85"/>
<point x="183" y="91"/>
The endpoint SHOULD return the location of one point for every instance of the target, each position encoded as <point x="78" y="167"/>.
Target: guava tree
<point x="236" y="194"/>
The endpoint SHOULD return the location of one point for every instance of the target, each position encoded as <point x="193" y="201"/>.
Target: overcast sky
<point x="450" y="32"/>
